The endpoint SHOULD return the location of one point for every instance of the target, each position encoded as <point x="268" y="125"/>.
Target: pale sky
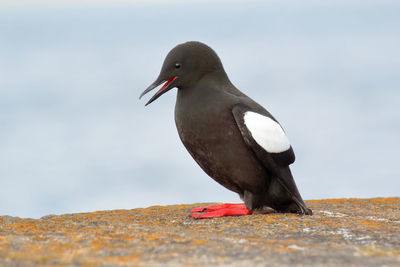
<point x="75" y="137"/>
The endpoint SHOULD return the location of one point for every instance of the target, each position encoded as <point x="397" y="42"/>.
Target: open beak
<point x="168" y="85"/>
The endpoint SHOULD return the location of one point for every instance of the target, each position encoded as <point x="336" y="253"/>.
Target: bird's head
<point x="183" y="67"/>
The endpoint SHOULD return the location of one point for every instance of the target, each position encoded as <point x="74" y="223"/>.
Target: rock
<point x="363" y="232"/>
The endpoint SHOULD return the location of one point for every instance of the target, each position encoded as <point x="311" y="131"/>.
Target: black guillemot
<point x="235" y="140"/>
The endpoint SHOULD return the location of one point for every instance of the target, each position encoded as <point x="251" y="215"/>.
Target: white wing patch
<point x="266" y="132"/>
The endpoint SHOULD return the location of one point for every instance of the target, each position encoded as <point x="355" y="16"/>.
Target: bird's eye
<point x="177" y="65"/>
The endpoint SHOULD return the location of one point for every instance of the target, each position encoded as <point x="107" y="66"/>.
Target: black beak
<point x="165" y="88"/>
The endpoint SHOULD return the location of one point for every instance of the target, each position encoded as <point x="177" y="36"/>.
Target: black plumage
<point x="210" y="118"/>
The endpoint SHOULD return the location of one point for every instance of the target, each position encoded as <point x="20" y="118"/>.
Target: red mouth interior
<point x="170" y="80"/>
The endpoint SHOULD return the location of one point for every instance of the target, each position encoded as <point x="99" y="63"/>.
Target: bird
<point x="235" y="140"/>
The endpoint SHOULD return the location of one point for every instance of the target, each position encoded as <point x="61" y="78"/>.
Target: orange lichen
<point x="164" y="234"/>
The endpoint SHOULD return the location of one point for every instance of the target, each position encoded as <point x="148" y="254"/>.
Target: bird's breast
<point x="209" y="132"/>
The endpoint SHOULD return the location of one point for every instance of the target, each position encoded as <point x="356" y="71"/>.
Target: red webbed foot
<point x="218" y="207"/>
<point x="220" y="211"/>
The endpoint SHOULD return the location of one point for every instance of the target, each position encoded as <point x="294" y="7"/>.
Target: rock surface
<point x="364" y="232"/>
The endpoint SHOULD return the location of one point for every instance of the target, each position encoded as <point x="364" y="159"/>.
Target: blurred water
<point x="74" y="136"/>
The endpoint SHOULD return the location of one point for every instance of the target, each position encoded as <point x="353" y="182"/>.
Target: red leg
<point x="222" y="212"/>
<point x="218" y="207"/>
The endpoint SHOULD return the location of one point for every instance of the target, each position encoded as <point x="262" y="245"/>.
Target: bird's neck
<point x="208" y="89"/>
<point x="216" y="76"/>
<point x="216" y="79"/>
<point x="219" y="80"/>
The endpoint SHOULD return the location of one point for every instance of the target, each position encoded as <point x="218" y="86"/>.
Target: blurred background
<point x="74" y="136"/>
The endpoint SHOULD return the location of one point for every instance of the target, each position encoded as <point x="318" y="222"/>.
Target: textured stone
<point x="363" y="232"/>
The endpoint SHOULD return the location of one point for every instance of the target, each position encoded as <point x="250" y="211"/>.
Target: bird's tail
<point x="287" y="182"/>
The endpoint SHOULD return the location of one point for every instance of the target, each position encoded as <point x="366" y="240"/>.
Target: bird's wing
<point x="265" y="136"/>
